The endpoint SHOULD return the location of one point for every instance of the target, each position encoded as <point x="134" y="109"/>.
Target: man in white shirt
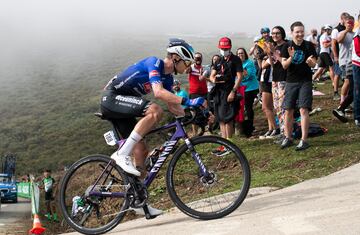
<point x="325" y="59"/>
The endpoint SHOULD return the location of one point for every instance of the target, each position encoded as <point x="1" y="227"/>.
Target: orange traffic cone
<point x="37" y="228"/>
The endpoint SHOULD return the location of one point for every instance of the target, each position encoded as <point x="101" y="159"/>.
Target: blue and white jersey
<point x="137" y="79"/>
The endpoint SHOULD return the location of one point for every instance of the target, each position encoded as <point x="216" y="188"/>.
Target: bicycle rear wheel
<point x="215" y="196"/>
<point x="88" y="213"/>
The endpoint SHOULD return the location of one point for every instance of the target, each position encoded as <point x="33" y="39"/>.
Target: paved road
<point x="13" y="215"/>
<point x="328" y="205"/>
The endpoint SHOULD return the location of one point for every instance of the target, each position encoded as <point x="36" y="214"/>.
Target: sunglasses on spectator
<point x="276" y="33"/>
<point x="241" y="53"/>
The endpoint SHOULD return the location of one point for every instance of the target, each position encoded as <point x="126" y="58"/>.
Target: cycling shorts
<point x="123" y="110"/>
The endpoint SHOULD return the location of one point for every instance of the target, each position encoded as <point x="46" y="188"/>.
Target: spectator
<point x="252" y="87"/>
<point x="279" y="76"/>
<point x="257" y="52"/>
<point x="356" y="74"/>
<point x="335" y="50"/>
<point x="227" y="76"/>
<point x="325" y="59"/>
<point x="210" y="87"/>
<point x="345" y="39"/>
<point x="313" y="38"/>
<point x="197" y="82"/>
<point x="48" y="185"/>
<point x="266" y="91"/>
<point x="178" y="91"/>
<point x="298" y="57"/>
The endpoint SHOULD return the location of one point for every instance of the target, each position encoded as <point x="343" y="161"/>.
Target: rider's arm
<point x="162" y="94"/>
<point x="176" y="109"/>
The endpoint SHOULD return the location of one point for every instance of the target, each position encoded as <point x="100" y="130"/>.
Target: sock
<point x="48" y="216"/>
<point x="129" y="144"/>
<point x="55" y="216"/>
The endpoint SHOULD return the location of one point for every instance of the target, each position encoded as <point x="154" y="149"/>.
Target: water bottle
<point x="151" y="159"/>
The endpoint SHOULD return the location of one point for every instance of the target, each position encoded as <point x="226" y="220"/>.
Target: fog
<point x="40" y="31"/>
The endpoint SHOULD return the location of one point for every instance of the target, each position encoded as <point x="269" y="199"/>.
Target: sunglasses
<point x="276" y="33"/>
<point x="241" y="53"/>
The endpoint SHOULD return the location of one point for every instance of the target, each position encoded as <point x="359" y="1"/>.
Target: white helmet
<point x="181" y="48"/>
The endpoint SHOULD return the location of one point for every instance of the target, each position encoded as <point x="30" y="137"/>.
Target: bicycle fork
<point x="197" y="158"/>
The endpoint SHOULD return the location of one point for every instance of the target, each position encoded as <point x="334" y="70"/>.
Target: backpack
<point x="314" y="130"/>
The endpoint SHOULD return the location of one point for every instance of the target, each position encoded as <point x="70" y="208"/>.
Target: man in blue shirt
<point x="178" y="91"/>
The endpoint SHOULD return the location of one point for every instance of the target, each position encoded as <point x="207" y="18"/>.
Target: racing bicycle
<point x="96" y="194"/>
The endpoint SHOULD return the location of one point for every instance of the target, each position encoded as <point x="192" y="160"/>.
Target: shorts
<point x="122" y="110"/>
<point x="337" y="69"/>
<point x="266" y="87"/>
<point x="194" y="96"/>
<point x="298" y="94"/>
<point x="49" y="196"/>
<point x="325" y="60"/>
<point x="346" y="71"/>
<point x="223" y="110"/>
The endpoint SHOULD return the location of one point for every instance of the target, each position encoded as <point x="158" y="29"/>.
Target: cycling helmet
<point x="181" y="48"/>
<point x="264" y="30"/>
<point x="224" y="43"/>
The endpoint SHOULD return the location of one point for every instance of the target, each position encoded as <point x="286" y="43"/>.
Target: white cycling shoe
<point x="153" y="211"/>
<point x="125" y="163"/>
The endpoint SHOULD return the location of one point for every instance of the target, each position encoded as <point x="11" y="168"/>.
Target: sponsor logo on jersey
<point x="154" y="73"/>
<point x="157" y="63"/>
<point x="131" y="100"/>
<point x="122" y="83"/>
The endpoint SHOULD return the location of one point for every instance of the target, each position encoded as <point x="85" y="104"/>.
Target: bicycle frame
<point x="166" y="149"/>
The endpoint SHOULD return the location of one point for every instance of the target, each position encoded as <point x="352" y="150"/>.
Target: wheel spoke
<point x="84" y="211"/>
<point x="220" y="191"/>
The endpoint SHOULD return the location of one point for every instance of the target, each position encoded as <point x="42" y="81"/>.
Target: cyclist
<point x="122" y="101"/>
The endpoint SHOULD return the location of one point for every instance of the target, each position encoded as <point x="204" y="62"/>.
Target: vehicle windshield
<point x="4" y="179"/>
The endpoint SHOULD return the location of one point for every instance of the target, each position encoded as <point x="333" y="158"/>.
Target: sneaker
<point x="339" y="114"/>
<point x="125" y="163"/>
<point x="279" y="139"/>
<point x="273" y="134"/>
<point x="224" y="152"/>
<point x="302" y="146"/>
<point x="349" y="110"/>
<point x="153" y="211"/>
<point x="262" y="137"/>
<point x="336" y="97"/>
<point x="286" y="143"/>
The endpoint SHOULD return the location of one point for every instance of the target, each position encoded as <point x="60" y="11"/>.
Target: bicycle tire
<point x="188" y="186"/>
<point x="64" y="206"/>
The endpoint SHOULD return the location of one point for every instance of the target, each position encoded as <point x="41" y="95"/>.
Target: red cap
<point x="224" y="43"/>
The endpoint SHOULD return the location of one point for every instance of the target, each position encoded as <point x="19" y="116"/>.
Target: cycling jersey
<point x="137" y="79"/>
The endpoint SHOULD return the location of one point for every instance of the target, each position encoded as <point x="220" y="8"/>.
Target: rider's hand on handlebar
<point x="200" y="101"/>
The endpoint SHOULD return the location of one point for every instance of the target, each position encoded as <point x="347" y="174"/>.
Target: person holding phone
<point x="227" y="75"/>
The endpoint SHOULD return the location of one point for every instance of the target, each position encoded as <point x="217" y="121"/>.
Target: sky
<point x="55" y="25"/>
<point x="61" y="17"/>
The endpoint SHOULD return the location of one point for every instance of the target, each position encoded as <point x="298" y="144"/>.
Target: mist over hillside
<point x="50" y="88"/>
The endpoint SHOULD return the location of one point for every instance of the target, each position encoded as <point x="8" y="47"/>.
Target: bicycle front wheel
<point x="216" y="195"/>
<point x="83" y="200"/>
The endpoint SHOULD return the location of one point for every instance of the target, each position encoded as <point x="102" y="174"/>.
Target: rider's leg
<point x="152" y="116"/>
